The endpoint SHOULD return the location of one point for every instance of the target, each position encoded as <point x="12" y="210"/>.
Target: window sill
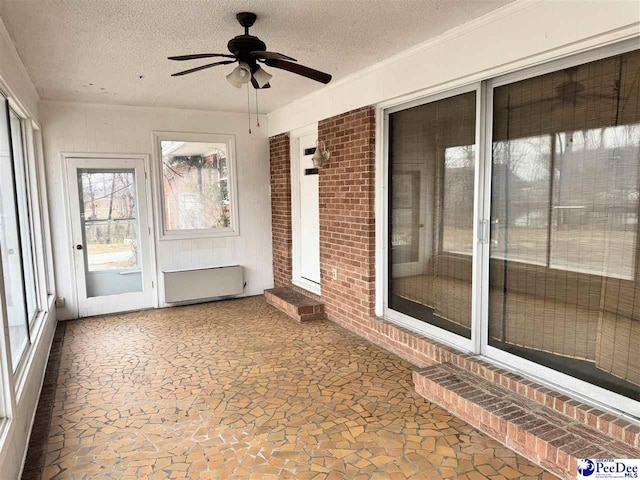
<point x="196" y="234"/>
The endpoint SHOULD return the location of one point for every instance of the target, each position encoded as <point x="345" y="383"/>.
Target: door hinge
<point x="153" y="285"/>
<point x="149" y="230"/>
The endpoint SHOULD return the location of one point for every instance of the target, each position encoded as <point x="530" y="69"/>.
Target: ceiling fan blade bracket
<point x="202" y="67"/>
<point x="196" y="56"/>
<point x="261" y="54"/>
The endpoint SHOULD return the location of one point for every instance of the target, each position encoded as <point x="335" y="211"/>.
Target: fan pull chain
<point x="249" y="108"/>
<point x="257" y="110"/>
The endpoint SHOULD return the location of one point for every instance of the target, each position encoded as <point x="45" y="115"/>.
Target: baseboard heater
<point x="202" y="283"/>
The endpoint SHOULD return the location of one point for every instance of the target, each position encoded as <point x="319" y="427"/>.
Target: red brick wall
<point x="347" y="217"/>
<point x="347" y="232"/>
<point x="281" y="208"/>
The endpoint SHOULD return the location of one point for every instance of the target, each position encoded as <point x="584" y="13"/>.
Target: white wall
<point x="518" y="35"/>
<point x="111" y="129"/>
<point x="21" y="393"/>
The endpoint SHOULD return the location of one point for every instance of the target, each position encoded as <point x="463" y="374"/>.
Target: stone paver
<point x="236" y="389"/>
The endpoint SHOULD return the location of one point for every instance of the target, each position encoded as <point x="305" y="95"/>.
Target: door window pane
<point x="109" y="222"/>
<point x="10" y="245"/>
<point x="431" y="164"/>
<point x="564" y="287"/>
<point x="195" y="186"/>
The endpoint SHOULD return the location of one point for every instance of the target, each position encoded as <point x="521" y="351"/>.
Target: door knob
<point x="78" y="247"/>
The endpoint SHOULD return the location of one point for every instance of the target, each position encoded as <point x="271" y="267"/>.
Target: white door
<point x="309" y="211"/>
<point x="111" y="234"/>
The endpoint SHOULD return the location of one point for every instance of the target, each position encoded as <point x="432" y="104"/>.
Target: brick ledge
<point x="423" y="351"/>
<point x="548" y="438"/>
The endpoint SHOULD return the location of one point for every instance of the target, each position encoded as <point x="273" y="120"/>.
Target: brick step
<point x="551" y="439"/>
<point x="423" y="351"/>
<point x="296" y="305"/>
<point x="616" y="427"/>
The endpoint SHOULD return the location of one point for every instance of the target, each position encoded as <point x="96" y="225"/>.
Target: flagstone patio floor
<point x="236" y="389"/>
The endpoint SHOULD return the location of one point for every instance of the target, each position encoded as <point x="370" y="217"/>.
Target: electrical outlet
<point x="60" y="301"/>
<point x="334" y="273"/>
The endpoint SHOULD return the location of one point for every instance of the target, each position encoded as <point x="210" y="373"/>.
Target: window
<point x="16" y="234"/>
<point x="197" y="185"/>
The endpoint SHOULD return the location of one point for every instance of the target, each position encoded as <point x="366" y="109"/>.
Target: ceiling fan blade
<point x="255" y="84"/>
<point x="272" y="56"/>
<point x="316" y="75"/>
<point x="191" y="70"/>
<point x="200" y="55"/>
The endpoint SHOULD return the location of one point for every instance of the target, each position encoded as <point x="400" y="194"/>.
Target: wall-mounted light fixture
<point x="321" y="155"/>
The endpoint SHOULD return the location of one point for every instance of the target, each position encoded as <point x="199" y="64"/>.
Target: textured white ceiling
<point x="97" y="51"/>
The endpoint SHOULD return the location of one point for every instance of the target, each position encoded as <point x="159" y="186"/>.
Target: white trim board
<point x="148" y="108"/>
<point x="519" y="35"/>
<point x="294" y="174"/>
<point x="14" y="77"/>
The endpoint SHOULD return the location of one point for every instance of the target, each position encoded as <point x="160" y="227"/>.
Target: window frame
<point x="27" y="165"/>
<point x="479" y="344"/>
<point x="17" y="364"/>
<point x="158" y="185"/>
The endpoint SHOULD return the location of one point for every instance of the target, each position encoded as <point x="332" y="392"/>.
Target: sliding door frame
<point x="419" y="326"/>
<point x="540" y="373"/>
<point x="479" y="342"/>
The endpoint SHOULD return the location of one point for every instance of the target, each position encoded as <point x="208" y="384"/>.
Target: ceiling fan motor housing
<point x="242" y="46"/>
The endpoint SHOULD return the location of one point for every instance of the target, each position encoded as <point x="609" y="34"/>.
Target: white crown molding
<point x="117" y="106"/>
<point x="4" y="34"/>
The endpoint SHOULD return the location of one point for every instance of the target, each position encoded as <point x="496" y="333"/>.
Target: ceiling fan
<point x="249" y="51"/>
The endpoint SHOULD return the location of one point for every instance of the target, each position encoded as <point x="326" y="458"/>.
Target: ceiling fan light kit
<point x="240" y="75"/>
<point x="249" y="51"/>
<point x="262" y="77"/>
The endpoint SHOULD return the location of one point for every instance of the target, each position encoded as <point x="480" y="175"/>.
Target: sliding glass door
<point x="432" y="162"/>
<point x="565" y="188"/>
<point x="524" y="238"/>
